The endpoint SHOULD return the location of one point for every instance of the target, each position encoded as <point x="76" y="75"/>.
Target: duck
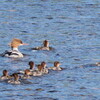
<point x="56" y="66"/>
<point x="38" y="72"/>
<point x="15" y="79"/>
<point x="31" y="67"/>
<point x="27" y="74"/>
<point x="5" y="75"/>
<point x="98" y="64"/>
<point x="14" y="52"/>
<point x="44" y="47"/>
<point x="44" y="69"/>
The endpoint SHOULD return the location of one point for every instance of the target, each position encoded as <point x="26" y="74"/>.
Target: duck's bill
<point x="25" y="44"/>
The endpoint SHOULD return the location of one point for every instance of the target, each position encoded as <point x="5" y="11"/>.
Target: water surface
<point x="72" y="28"/>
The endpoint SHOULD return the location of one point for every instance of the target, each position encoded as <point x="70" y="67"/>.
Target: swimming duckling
<point x="31" y="64"/>
<point x="5" y="75"/>
<point x="31" y="67"/>
<point x="56" y="66"/>
<point x="44" y="70"/>
<point x="38" y="72"/>
<point x="44" y="47"/>
<point x="27" y="74"/>
<point x="98" y="64"/>
<point x="15" y="80"/>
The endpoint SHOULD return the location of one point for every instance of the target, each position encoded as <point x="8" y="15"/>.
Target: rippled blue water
<point x="72" y="28"/>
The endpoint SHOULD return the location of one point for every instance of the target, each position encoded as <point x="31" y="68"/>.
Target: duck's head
<point x="39" y="67"/>
<point x="43" y="64"/>
<point x="31" y="64"/>
<point x="97" y="63"/>
<point x="57" y="64"/>
<point x="5" y="73"/>
<point x="27" y="72"/>
<point x="16" y="42"/>
<point x="16" y="77"/>
<point x="46" y="43"/>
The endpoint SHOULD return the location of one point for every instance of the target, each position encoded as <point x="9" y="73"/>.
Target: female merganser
<point x="56" y="66"/>
<point x="5" y="75"/>
<point x="15" y="80"/>
<point x="44" y="47"/>
<point x="14" y="52"/>
<point x="38" y="72"/>
<point x="98" y="64"/>
<point x="31" y="67"/>
<point x="44" y="70"/>
<point x="27" y="74"/>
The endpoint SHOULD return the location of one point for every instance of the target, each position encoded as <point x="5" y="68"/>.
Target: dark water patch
<point x="71" y="80"/>
<point x="49" y="17"/>
<point x="33" y="17"/>
<point x="45" y="98"/>
<point x="59" y="22"/>
<point x="47" y="85"/>
<point x="87" y="96"/>
<point x="39" y="89"/>
<point x="34" y="23"/>
<point x="28" y="89"/>
<point x="24" y="31"/>
<point x="36" y="4"/>
<point x="88" y="65"/>
<point x="53" y="91"/>
<point x="83" y="88"/>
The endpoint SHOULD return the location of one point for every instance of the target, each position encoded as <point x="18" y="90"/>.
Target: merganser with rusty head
<point x="14" y="52"/>
<point x="15" y="80"/>
<point x="56" y="66"/>
<point x="44" y="47"/>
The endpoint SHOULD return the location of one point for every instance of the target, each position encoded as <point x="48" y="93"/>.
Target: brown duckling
<point x="15" y="80"/>
<point x="38" y="72"/>
<point x="5" y="75"/>
<point x="56" y="66"/>
<point x="44" y="47"/>
<point x="44" y="70"/>
<point x="31" y="67"/>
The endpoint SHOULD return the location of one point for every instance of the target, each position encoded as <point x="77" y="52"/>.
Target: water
<point x="72" y="28"/>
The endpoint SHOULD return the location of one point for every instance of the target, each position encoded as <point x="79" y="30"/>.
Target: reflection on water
<point x="72" y="28"/>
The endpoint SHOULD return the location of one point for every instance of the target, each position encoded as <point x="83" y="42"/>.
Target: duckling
<point x="44" y="47"/>
<point x="56" y="66"/>
<point x="15" y="80"/>
<point x="27" y="74"/>
<point x="98" y="64"/>
<point x="38" y="72"/>
<point x="31" y="65"/>
<point x="5" y="75"/>
<point x="44" y="70"/>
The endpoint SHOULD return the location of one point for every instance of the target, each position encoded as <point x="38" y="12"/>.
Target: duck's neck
<point x="16" y="49"/>
<point x="31" y="67"/>
<point x="57" y="66"/>
<point x="16" y="79"/>
<point x="5" y="75"/>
